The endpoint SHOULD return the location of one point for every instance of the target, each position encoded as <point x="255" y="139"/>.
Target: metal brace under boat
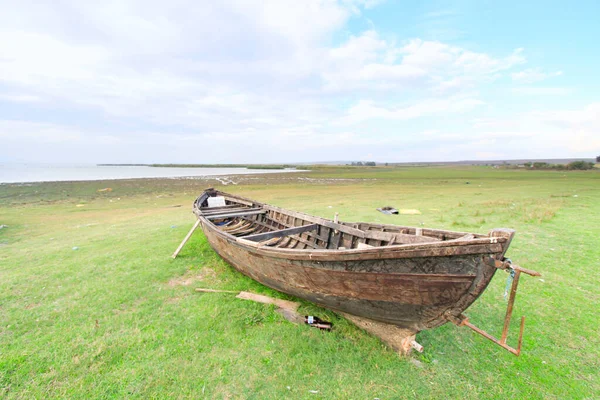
<point x="463" y="320"/>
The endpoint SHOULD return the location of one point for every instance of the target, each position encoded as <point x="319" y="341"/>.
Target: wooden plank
<point x="304" y="241"/>
<point x="232" y="210"/>
<point x="187" y="237"/>
<point x="386" y="252"/>
<point x="285" y="242"/>
<point x="238" y="200"/>
<point x="232" y="226"/>
<point x="399" y="339"/>
<point x="243" y="225"/>
<point x="385" y="236"/>
<point x="338" y="242"/>
<point x="437" y="233"/>
<point x="249" y="230"/>
<point x="317" y="220"/>
<point x="282" y="232"/>
<point x="313" y="238"/>
<point x="270" y="242"/>
<point x="505" y="233"/>
<point x="238" y="214"/>
<point x="400" y="238"/>
<point x="289" y="305"/>
<point x="220" y="208"/>
<point x="278" y="224"/>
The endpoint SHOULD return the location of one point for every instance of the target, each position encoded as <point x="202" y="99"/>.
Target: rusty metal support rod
<point x="506" y="265"/>
<point x="464" y="321"/>
<point x="516" y="352"/>
<point x="509" y="307"/>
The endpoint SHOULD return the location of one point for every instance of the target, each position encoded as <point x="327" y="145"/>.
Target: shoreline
<point x="246" y="166"/>
<point x="247" y="172"/>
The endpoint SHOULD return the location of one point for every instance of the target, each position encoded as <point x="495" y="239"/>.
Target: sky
<point x="283" y="81"/>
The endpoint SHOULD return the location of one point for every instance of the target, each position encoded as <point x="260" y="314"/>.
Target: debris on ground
<point x="226" y="181"/>
<point x="287" y="309"/>
<point x="388" y="210"/>
<point x="105" y="190"/>
<point x="404" y="211"/>
<point x="259" y="298"/>
<point x="399" y="339"/>
<point x="317" y="322"/>
<point x="3" y="226"/>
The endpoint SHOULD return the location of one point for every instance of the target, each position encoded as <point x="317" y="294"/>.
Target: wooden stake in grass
<point x="187" y="237"/>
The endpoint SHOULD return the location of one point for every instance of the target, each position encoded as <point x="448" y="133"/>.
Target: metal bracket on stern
<point x="463" y="320"/>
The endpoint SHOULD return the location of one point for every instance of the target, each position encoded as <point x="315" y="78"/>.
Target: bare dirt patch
<point x="192" y="276"/>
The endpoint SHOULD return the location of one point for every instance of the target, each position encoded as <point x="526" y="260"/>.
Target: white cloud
<point x="366" y="110"/>
<point x="20" y="98"/>
<point x="541" y="91"/>
<point x="17" y="131"/>
<point x="532" y="75"/>
<point x="559" y="133"/>
<point x="170" y="78"/>
<point x="163" y="62"/>
<point x="436" y="56"/>
<point x="588" y="117"/>
<point x="580" y="128"/>
<point x="369" y="62"/>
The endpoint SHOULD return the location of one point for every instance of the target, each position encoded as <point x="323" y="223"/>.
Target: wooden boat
<point x="413" y="278"/>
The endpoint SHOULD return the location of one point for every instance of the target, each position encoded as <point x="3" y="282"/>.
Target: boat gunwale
<point x="380" y="252"/>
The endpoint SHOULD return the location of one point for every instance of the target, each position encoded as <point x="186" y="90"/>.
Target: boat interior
<point x="275" y="227"/>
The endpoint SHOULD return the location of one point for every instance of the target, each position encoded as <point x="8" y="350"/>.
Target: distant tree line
<point x="598" y="159"/>
<point x="248" y="166"/>
<point x="366" y="164"/>
<point x="573" y="166"/>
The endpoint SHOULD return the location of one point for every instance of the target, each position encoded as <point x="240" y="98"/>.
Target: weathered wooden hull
<point x="414" y="286"/>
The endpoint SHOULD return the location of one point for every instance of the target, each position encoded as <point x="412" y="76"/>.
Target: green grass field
<point x="92" y="305"/>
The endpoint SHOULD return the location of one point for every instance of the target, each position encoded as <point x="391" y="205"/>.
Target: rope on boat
<point x="509" y="279"/>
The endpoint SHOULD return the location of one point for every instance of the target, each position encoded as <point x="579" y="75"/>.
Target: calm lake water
<point x="21" y="173"/>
